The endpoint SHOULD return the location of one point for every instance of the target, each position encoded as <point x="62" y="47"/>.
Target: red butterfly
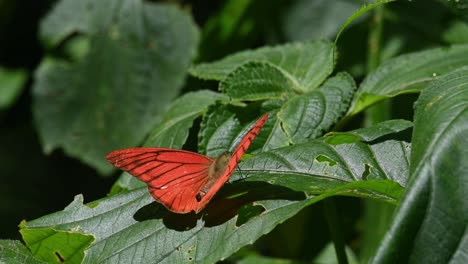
<point x="182" y="181"/>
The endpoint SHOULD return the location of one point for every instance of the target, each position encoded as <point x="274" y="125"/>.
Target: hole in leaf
<point x="247" y="212"/>
<point x="323" y="158"/>
<point x="190" y="249"/>
<point x="338" y="138"/>
<point x="92" y="204"/>
<point x="59" y="257"/>
<point x="366" y="172"/>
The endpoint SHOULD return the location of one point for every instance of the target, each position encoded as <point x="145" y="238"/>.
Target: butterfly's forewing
<point x="231" y="163"/>
<point x="174" y="177"/>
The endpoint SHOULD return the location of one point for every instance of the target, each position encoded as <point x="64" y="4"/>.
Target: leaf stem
<point x="335" y="230"/>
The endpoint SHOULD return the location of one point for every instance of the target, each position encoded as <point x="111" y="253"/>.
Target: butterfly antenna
<point x="242" y="177"/>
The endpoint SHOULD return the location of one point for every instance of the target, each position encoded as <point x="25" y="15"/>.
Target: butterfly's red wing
<point x="233" y="161"/>
<point x="178" y="178"/>
<point x="174" y="177"/>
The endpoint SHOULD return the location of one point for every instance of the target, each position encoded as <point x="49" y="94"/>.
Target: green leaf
<point x="257" y="81"/>
<point x="217" y="130"/>
<point x="408" y="73"/>
<point x="369" y="133"/>
<point x="346" y="169"/>
<point x="221" y="131"/>
<point x="306" y="65"/>
<point x="12" y="251"/>
<point x="11" y="85"/>
<point x="56" y="246"/>
<point x="328" y="255"/>
<point x="131" y="226"/>
<point x="362" y="10"/>
<point x="430" y="226"/>
<point x="457" y="32"/>
<point x="256" y="259"/>
<point x="307" y="116"/>
<point x="143" y="230"/>
<point x="111" y="97"/>
<point x="173" y="130"/>
<point x="276" y="138"/>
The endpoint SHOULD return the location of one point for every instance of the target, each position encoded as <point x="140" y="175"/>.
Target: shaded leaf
<point x="457" y="32"/>
<point x="11" y="85"/>
<point x="13" y="251"/>
<point x="112" y="96"/>
<point x="430" y="225"/>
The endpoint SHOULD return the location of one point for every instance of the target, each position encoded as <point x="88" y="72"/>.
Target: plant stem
<point x="375" y="39"/>
<point x="377" y="215"/>
<point x="335" y="230"/>
<point x="380" y="111"/>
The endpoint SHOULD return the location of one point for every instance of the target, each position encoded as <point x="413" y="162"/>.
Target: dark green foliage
<point x="117" y="73"/>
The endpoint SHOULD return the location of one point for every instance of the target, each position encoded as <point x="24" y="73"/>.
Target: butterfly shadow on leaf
<point x="231" y="200"/>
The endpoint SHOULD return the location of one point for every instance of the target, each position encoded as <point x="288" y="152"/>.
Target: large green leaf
<point x="317" y="167"/>
<point x="408" y="73"/>
<point x="111" y="97"/>
<point x="131" y="226"/>
<point x="431" y="224"/>
<point x="303" y="65"/>
<point x="12" y="251"/>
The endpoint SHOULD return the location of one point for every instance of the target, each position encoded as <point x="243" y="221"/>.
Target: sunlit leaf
<point x="276" y="186"/>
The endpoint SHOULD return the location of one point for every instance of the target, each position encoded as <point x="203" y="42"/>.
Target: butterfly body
<point x="182" y="181"/>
